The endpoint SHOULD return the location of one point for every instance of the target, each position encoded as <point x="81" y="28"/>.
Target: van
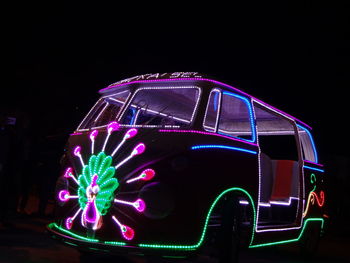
<point x="176" y="164"/>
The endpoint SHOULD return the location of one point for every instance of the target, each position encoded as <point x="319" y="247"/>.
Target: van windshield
<point x="162" y="107"/>
<point x="105" y="110"/>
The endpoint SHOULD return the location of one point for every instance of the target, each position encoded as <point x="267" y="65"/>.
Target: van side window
<point x="276" y="135"/>
<point x="212" y="111"/>
<point x="308" y="145"/>
<point x="236" y="117"/>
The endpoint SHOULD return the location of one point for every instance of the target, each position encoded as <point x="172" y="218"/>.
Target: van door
<point x="280" y="183"/>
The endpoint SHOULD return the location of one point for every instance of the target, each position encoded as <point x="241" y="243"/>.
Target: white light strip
<point x="118" y="147"/>
<point x="264" y="106"/>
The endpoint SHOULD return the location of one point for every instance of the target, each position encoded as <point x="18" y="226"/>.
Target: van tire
<point x="310" y="241"/>
<point x="228" y="240"/>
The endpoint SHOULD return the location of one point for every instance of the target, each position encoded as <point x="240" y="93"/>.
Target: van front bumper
<point x="112" y="247"/>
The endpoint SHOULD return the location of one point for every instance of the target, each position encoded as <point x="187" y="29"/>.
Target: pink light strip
<point x="313" y="163"/>
<point x="203" y="79"/>
<point x="209" y="133"/>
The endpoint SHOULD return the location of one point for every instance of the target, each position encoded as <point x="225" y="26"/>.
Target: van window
<point x="211" y="114"/>
<point x="105" y="110"/>
<point x="308" y="145"/>
<point x="162" y="106"/>
<point x="236" y="117"/>
<point x="276" y="134"/>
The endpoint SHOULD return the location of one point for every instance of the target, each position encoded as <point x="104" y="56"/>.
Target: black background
<point x="293" y="55"/>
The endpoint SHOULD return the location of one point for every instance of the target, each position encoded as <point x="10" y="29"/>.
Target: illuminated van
<point x="174" y="164"/>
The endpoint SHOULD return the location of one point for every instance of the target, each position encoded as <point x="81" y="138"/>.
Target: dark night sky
<point x="293" y="56"/>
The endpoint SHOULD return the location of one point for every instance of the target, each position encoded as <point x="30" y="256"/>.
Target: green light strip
<point x="54" y="225"/>
<point x="114" y="243"/>
<point x="290" y="240"/>
<point x="199" y="243"/>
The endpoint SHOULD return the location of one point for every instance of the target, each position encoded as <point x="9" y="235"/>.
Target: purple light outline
<point x="209" y="80"/>
<point x="210" y="133"/>
<point x="318" y="164"/>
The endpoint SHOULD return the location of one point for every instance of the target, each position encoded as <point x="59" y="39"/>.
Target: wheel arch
<point x="234" y="192"/>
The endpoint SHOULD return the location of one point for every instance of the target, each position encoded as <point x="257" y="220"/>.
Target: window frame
<point x="134" y="93"/>
<point x="311" y="143"/>
<point x="99" y="102"/>
<point x="251" y="116"/>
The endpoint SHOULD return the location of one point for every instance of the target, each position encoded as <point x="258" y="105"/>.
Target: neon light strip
<point x="69" y="220"/>
<point x="291" y="240"/>
<point x="210" y="133"/>
<point x="311" y="199"/>
<point x="118" y="147"/>
<point x="140" y="148"/>
<point x="139" y="204"/>
<point x="313" y="168"/>
<point x="199" y="147"/>
<point x="199" y="243"/>
<point x="204" y="79"/>
<point x="319" y="164"/>
<point x="312" y="141"/>
<point x="251" y="115"/>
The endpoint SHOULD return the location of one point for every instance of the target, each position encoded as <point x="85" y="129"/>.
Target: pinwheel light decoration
<point x="97" y="184"/>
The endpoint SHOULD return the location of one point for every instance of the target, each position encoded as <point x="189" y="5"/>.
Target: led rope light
<point x="77" y="153"/>
<point x="64" y="196"/>
<point x="140" y="148"/>
<point x="127" y="232"/>
<point x="139" y="204"/>
<point x="69" y="174"/>
<point x="129" y="134"/>
<point x="92" y="136"/>
<point x="313" y="196"/>
<point x="113" y="126"/>
<point x="313" y="168"/>
<point x="145" y="175"/>
<point x="199" y="147"/>
<point x="69" y="221"/>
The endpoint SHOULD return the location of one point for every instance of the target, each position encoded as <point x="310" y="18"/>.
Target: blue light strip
<point x="251" y="115"/>
<point x="199" y="147"/>
<point x="313" y="168"/>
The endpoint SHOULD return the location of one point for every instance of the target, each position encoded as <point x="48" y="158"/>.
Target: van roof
<point x="185" y="76"/>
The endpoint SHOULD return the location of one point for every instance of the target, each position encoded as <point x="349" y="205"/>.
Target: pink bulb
<point x="68" y="172"/>
<point x="130" y="133"/>
<point x="63" y="195"/>
<point x="69" y="222"/>
<point x="113" y="126"/>
<point x="140" y="205"/>
<point x="140" y="148"/>
<point x="128" y="232"/>
<point x="93" y="134"/>
<point x="77" y="150"/>
<point x="147" y="174"/>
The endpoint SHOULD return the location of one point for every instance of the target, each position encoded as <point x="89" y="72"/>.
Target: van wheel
<point x="228" y="239"/>
<point x="309" y="242"/>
